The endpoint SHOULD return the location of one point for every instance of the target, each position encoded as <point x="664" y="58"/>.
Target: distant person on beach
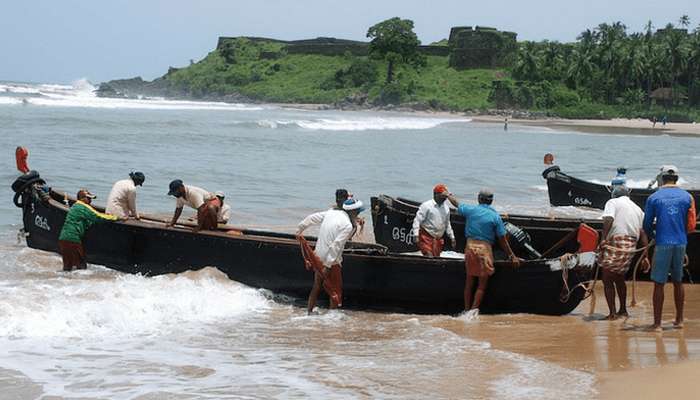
<point x="337" y="227"/>
<point x="122" y="198"/>
<point x="664" y="119"/>
<point x="484" y="227"/>
<point x="79" y="219"/>
<point x="224" y="213"/>
<point x="505" y="124"/>
<point x="432" y="223"/>
<point x="673" y="211"/>
<point x="653" y="122"/>
<point x="622" y="229"/>
<point x="206" y="204"/>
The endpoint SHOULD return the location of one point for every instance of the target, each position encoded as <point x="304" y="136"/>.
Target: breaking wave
<point x="355" y="124"/>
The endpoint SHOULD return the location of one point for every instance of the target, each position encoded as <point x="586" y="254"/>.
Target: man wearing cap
<point x="206" y="204"/>
<point x="122" y="198"/>
<point x="432" y="222"/>
<point x="224" y="213"/>
<point x="673" y="210"/>
<point x="482" y="229"/>
<point x="622" y="229"/>
<point x="337" y="227"/>
<point x="79" y="219"/>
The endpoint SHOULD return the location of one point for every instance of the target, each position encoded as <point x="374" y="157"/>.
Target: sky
<point x="60" y="41"/>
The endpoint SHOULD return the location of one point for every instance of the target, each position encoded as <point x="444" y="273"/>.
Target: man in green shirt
<point x="80" y="218"/>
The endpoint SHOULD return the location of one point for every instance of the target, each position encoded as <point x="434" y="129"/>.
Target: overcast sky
<point x="64" y="40"/>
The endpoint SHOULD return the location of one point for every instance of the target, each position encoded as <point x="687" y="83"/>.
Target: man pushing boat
<point x="432" y="223"/>
<point x="206" y="204"/>
<point x="483" y="228"/>
<point x="337" y="227"/>
<point x="79" y="219"/>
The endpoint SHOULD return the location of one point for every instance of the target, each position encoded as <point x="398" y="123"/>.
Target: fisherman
<point x="206" y="204"/>
<point x="432" y="223"/>
<point x="122" y="198"/>
<point x="620" y="178"/>
<point x="79" y="219"/>
<point x="673" y="210"/>
<point x="337" y="227"/>
<point x="224" y="213"/>
<point x="622" y="229"/>
<point x="483" y="228"/>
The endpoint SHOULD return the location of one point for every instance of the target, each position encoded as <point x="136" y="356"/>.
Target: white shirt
<point x="627" y="217"/>
<point x="194" y="197"/>
<point x="336" y="229"/>
<point x="224" y="213"/>
<point x="121" y="201"/>
<point x="434" y="218"/>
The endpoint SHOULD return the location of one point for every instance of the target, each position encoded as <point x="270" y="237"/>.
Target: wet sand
<point x="629" y="361"/>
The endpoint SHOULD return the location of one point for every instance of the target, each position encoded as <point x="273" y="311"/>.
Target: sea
<point x="100" y="334"/>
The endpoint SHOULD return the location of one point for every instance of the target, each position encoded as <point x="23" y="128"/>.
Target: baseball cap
<point x="220" y="195"/>
<point x="85" y="193"/>
<point x="669" y="170"/>
<point x="174" y="186"/>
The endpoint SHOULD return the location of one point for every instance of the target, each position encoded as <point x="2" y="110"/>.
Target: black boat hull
<point x="373" y="281"/>
<point x="565" y="190"/>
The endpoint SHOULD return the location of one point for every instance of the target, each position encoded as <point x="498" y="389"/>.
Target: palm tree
<point x="527" y="66"/>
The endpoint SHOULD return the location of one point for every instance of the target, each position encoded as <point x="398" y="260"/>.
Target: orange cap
<point x="440" y="188"/>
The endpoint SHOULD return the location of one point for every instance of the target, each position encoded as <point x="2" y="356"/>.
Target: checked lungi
<point x="617" y="254"/>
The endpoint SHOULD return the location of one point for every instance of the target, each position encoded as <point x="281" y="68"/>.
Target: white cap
<point x="219" y="194"/>
<point x="669" y="170"/>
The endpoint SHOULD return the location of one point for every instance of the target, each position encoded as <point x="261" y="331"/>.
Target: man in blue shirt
<point x="482" y="229"/>
<point x="673" y="209"/>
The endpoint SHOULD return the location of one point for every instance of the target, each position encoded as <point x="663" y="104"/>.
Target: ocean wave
<point x="10" y="100"/>
<point x="100" y="303"/>
<point x="352" y="124"/>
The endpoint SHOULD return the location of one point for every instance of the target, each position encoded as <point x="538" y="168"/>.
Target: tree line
<point x="610" y="65"/>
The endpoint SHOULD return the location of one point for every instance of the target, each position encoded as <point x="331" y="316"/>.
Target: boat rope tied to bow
<point x="313" y="263"/>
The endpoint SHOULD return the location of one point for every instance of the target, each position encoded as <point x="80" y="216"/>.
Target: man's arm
<point x="313" y="219"/>
<point x="453" y="200"/>
<point x="176" y="216"/>
<point x="607" y="225"/>
<point x="418" y="220"/>
<point x="503" y="242"/>
<point x="132" y="204"/>
<point x="649" y="214"/>
<point x="644" y="242"/>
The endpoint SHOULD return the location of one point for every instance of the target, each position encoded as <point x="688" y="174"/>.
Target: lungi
<point x="478" y="258"/>
<point x="429" y="245"/>
<point x="617" y="254"/>
<point x="333" y="282"/>
<point x="73" y="255"/>
<point x="206" y="216"/>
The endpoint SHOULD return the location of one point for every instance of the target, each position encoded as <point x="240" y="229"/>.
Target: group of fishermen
<point x="121" y="205"/>
<point x="668" y="216"/>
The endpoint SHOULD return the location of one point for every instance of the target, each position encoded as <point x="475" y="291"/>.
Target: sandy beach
<point x="619" y="125"/>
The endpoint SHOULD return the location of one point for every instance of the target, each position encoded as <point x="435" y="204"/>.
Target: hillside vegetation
<point x="607" y="73"/>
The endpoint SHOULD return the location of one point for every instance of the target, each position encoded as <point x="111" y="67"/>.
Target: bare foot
<point x="611" y="317"/>
<point x="677" y="324"/>
<point x="655" y="328"/>
<point x="623" y="314"/>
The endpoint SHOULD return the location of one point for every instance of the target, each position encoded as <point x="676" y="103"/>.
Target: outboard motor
<point x="521" y="240"/>
<point x="23" y="185"/>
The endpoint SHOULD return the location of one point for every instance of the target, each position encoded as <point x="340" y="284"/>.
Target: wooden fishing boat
<point x="373" y="277"/>
<point x="566" y="190"/>
<point x="393" y="217"/>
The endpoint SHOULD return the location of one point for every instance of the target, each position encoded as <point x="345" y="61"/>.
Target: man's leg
<point x="315" y="290"/>
<point x="679" y="299"/>
<point x="609" y="290"/>
<point x="480" y="291"/>
<point x="468" y="289"/>
<point x="658" y="304"/>
<point x="621" y="287"/>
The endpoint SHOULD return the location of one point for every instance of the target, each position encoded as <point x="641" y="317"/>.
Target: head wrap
<point x="352" y="205"/>
<point x="85" y="193"/>
<point x="440" y="188"/>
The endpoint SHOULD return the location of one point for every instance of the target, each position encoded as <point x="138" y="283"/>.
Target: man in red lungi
<point x="432" y="223"/>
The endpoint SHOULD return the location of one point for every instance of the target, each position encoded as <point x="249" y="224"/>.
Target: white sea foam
<point x="360" y="123"/>
<point x="637" y="183"/>
<point x="10" y="100"/>
<point x="104" y="304"/>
